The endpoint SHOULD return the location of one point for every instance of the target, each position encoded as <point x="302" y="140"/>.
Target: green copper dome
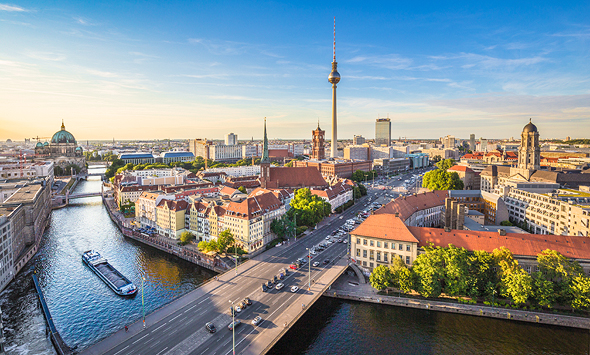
<point x="39" y="145"/>
<point x="63" y="136"/>
<point x="45" y="144"/>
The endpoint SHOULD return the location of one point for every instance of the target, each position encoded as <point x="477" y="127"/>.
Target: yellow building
<point x="170" y="218"/>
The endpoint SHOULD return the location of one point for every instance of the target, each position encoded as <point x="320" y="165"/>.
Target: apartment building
<point x="336" y="195"/>
<point x="170" y="221"/>
<point x="422" y="210"/>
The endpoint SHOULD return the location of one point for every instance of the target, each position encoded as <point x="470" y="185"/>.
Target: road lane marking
<point x="203" y="300"/>
<point x="190" y="308"/>
<point x="174" y="318"/>
<point x="121" y="349"/>
<point x="205" y="351"/>
<point x="154" y="344"/>
<point x="166" y="348"/>
<point x="140" y="339"/>
<point x="158" y="327"/>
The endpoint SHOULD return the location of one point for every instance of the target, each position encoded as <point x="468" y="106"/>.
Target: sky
<point x="202" y="69"/>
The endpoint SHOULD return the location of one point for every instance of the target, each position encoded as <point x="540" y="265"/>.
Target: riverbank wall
<point x="60" y="346"/>
<point x="470" y="310"/>
<point x="169" y="247"/>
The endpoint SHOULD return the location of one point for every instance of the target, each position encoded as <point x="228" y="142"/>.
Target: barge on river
<point x="111" y="276"/>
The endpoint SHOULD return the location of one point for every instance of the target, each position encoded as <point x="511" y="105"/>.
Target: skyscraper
<point x="472" y="142"/>
<point x="529" y="154"/>
<point x="334" y="78"/>
<point x="231" y="139"/>
<point x="383" y="131"/>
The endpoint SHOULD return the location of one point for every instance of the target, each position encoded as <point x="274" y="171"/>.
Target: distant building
<point x="470" y="178"/>
<point x="472" y="142"/>
<point x="170" y="157"/>
<point x="231" y="139"/>
<point x="388" y="166"/>
<point x="317" y="150"/>
<point x="449" y="142"/>
<point x="382" y="131"/>
<point x="337" y="168"/>
<point x="356" y="152"/>
<point x="358" y="140"/>
<point x="63" y="149"/>
<point x="138" y="158"/>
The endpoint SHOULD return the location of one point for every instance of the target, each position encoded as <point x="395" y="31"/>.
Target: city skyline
<point x="193" y="71"/>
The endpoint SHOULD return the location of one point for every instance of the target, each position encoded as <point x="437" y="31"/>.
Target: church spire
<point x="63" y="127"/>
<point x="265" y="158"/>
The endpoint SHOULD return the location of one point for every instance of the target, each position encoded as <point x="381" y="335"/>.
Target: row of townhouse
<point x="336" y="195"/>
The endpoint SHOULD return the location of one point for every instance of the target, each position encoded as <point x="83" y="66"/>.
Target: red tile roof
<point x="462" y="168"/>
<point x="173" y="205"/>
<point x="253" y="206"/>
<point x="300" y="177"/>
<point x="407" y="206"/>
<point x="384" y="226"/>
<point x="518" y="244"/>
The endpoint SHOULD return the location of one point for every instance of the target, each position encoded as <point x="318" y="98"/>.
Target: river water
<point x="85" y="310"/>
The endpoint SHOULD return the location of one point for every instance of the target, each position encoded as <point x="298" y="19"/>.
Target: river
<point x="85" y="310"/>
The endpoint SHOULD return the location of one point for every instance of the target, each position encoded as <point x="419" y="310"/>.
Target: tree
<point x="439" y="179"/>
<point x="242" y="189"/>
<point x="57" y="170"/>
<point x="429" y="271"/>
<point x="445" y="164"/>
<point x="186" y="237"/>
<point x="543" y="293"/>
<point x="559" y="270"/>
<point x="506" y="223"/>
<point x="225" y="240"/>
<point x="363" y="189"/>
<point x="580" y="292"/>
<point x="456" y="267"/>
<point x="358" y="176"/>
<point x="519" y="286"/>
<point x="356" y="192"/>
<point x="381" y="277"/>
<point x="309" y="209"/>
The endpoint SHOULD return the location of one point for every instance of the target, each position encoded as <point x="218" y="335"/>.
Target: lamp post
<point x="493" y="294"/>
<point x="233" y="326"/>
<point x="142" y="302"/>
<point x="309" y="266"/>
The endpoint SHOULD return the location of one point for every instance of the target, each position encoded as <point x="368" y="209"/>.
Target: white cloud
<point x="104" y="74"/>
<point x="47" y="56"/>
<point x="11" y="8"/>
<point x="230" y="97"/>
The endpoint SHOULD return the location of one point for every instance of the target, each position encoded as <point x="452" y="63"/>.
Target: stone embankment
<point x="349" y="289"/>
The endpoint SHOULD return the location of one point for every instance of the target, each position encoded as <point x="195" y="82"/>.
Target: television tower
<point x="334" y="78"/>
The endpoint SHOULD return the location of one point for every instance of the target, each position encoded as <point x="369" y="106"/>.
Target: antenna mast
<point x="334" y="38"/>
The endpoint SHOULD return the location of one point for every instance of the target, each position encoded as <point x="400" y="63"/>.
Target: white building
<point x="231" y="139"/>
<point x="247" y="170"/>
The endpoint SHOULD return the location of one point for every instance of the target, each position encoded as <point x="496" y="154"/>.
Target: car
<point x="247" y="301"/>
<point x="210" y="327"/>
<point x="242" y="305"/>
<point x="327" y="237"/>
<point x="256" y="320"/>
<point x="275" y="279"/>
<point x="293" y="266"/>
<point x="294" y="289"/>
<point x="238" y="309"/>
<point x="264" y="288"/>
<point x="234" y="324"/>
<point x="342" y="216"/>
<point x="281" y="276"/>
<point x="269" y="284"/>
<point x="315" y="263"/>
<point x="280" y="285"/>
<point x="326" y="261"/>
<point x="345" y="241"/>
<point x="313" y="252"/>
<point x="329" y="242"/>
<point x="279" y="244"/>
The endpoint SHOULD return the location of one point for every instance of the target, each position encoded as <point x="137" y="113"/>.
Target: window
<point x="358" y="240"/>
<point x="364" y="263"/>
<point x="385" y="257"/>
<point x="371" y="265"/>
<point x="401" y="247"/>
<point x="358" y="252"/>
<point x="378" y="244"/>
<point x="364" y="242"/>
<point x="385" y="245"/>
<point x="372" y="243"/>
<point x="378" y="256"/>
<point x="364" y="253"/>
<point x="407" y="259"/>
<point x="392" y="245"/>
<point x="372" y="254"/>
<point x="408" y="247"/>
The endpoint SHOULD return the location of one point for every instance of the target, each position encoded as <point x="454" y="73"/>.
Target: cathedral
<point x="63" y="149"/>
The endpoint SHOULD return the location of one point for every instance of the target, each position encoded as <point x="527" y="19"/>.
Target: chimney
<point x="447" y="229"/>
<point x="502" y="232"/>
<point x="397" y="214"/>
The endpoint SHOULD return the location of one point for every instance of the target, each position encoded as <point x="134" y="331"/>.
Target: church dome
<point x="63" y="136"/>
<point x="45" y="144"/>
<point x="530" y="127"/>
<point x="39" y="145"/>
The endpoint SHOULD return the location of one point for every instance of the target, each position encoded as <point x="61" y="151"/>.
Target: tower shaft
<point x="334" y="124"/>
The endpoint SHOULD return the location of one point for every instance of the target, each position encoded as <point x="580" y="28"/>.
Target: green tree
<point x="225" y="240"/>
<point x="381" y="277"/>
<point x="242" y="189"/>
<point x="112" y="169"/>
<point x="429" y="271"/>
<point x="400" y="273"/>
<point x="559" y="270"/>
<point x="186" y="237"/>
<point x="456" y="267"/>
<point x="309" y="209"/>
<point x="519" y="286"/>
<point x="57" y="170"/>
<point x="358" y="176"/>
<point x="506" y="223"/>
<point x="580" y="292"/>
<point x="445" y="164"/>
<point x="356" y="192"/>
<point x="441" y="179"/>
<point x="363" y="189"/>
<point x="543" y="292"/>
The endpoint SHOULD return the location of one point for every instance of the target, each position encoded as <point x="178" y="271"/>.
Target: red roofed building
<point x="336" y="195"/>
<point x="380" y="238"/>
<point x="170" y="217"/>
<point x="421" y="210"/>
<point x="470" y="178"/>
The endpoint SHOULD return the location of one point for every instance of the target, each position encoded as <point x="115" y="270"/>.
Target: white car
<point x="313" y="252"/>
<point x="294" y="289"/>
<point x="238" y="309"/>
<point x="328" y="237"/>
<point x="279" y="286"/>
<point x="316" y="263"/>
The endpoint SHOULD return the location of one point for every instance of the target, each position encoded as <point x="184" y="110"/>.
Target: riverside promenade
<point x="347" y="287"/>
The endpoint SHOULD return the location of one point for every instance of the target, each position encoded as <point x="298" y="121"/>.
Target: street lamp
<point x="493" y="294"/>
<point x="309" y="265"/>
<point x="233" y="326"/>
<point x="142" y="303"/>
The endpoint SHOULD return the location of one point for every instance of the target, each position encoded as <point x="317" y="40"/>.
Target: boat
<point x="111" y="276"/>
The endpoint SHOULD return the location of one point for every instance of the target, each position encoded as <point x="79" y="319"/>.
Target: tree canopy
<point x="224" y="241"/>
<point x="308" y="208"/>
<point x="441" y="179"/>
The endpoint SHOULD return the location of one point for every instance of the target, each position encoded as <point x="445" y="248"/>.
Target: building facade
<point x="317" y="142"/>
<point x="383" y="131"/>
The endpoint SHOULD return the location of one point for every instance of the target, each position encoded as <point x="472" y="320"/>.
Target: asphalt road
<point x="183" y="331"/>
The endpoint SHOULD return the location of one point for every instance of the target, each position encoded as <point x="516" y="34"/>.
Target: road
<point x="183" y="331"/>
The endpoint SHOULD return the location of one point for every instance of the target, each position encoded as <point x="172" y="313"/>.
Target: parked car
<point x="210" y="327"/>
<point x="238" y="309"/>
<point x="294" y="289"/>
<point x="269" y="284"/>
<point x="275" y="279"/>
<point x="234" y="324"/>
<point x="280" y="285"/>
<point x="264" y="288"/>
<point x="326" y="261"/>
<point x="281" y="276"/>
<point x="242" y="305"/>
<point x="247" y="301"/>
<point x="315" y="263"/>
<point x="293" y="266"/>
<point x="256" y="320"/>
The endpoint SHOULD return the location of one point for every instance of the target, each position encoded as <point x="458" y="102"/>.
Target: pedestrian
<point x="126" y="329"/>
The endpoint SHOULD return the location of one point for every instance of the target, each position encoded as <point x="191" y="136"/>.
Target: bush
<point x="301" y="229"/>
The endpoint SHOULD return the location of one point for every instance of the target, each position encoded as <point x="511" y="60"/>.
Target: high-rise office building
<point x="358" y="140"/>
<point x="383" y="131"/>
<point x="449" y="142"/>
<point x="231" y="139"/>
<point x="472" y="142"/>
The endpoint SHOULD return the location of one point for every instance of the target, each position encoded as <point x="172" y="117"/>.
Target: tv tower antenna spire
<point x="334" y="38"/>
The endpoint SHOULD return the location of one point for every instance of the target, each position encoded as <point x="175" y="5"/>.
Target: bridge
<point x="179" y="327"/>
<point x="88" y="194"/>
<point x="85" y="176"/>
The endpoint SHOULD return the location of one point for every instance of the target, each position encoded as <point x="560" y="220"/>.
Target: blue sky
<point x="134" y="70"/>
